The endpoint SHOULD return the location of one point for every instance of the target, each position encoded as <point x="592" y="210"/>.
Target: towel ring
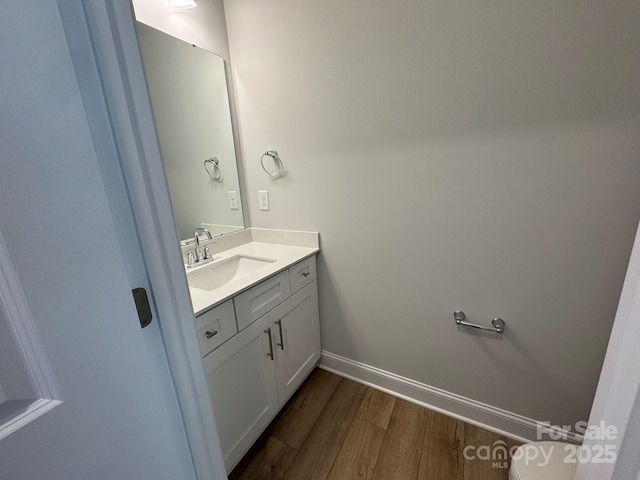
<point x="273" y="154"/>
<point x="212" y="167"/>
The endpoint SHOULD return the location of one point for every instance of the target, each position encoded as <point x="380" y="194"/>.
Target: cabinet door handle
<point x="305" y="274"/>
<point x="210" y="334"/>
<point x="281" y="344"/>
<point x="270" y="353"/>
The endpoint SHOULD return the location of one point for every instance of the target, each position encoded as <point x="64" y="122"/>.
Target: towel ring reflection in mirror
<point x="211" y="165"/>
<point x="279" y="166"/>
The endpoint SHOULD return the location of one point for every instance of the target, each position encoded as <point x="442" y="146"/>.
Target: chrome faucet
<point x="199" y="255"/>
<point x="196" y="235"/>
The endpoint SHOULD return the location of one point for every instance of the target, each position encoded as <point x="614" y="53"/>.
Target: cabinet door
<point x="242" y="384"/>
<point x="296" y="336"/>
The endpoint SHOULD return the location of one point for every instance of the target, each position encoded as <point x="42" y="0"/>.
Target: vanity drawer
<point x="258" y="300"/>
<point x="216" y="327"/>
<point x="302" y="273"/>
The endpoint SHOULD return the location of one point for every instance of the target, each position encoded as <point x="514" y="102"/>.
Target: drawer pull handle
<point x="281" y="344"/>
<point x="305" y="274"/>
<point x="210" y="334"/>
<point x="270" y="352"/>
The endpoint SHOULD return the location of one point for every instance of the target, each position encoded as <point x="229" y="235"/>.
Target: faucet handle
<point x="207" y="252"/>
<point x="191" y="258"/>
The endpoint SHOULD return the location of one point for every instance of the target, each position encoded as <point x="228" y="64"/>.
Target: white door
<point x="112" y="421"/>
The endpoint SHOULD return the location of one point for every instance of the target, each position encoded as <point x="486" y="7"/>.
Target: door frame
<point x="111" y="26"/>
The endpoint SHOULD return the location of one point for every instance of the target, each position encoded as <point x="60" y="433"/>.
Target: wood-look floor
<point x="334" y="428"/>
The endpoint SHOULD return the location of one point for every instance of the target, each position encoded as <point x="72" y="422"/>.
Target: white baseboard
<point x="512" y="425"/>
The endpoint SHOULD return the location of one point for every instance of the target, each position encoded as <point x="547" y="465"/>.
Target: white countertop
<point x="284" y="256"/>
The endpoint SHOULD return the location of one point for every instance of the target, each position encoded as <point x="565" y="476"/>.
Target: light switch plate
<point x="263" y="199"/>
<point x="233" y="200"/>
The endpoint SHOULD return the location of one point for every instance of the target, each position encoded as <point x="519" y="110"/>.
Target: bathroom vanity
<point x="258" y="331"/>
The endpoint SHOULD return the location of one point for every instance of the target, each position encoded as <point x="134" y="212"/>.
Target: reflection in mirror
<point x="190" y="101"/>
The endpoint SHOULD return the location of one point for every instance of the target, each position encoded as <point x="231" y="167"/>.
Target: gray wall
<point x="473" y="155"/>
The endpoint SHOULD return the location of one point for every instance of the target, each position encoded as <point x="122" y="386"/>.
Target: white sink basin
<point x="218" y="274"/>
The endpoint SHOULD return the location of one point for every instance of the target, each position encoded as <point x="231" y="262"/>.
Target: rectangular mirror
<point x="190" y="101"/>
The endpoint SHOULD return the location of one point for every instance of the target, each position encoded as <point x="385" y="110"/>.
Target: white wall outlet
<point x="233" y="200"/>
<point x="263" y="199"/>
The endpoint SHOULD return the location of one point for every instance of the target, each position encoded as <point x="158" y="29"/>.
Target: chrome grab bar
<point x="497" y="322"/>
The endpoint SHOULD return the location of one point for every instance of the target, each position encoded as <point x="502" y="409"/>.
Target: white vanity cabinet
<point x="254" y="373"/>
